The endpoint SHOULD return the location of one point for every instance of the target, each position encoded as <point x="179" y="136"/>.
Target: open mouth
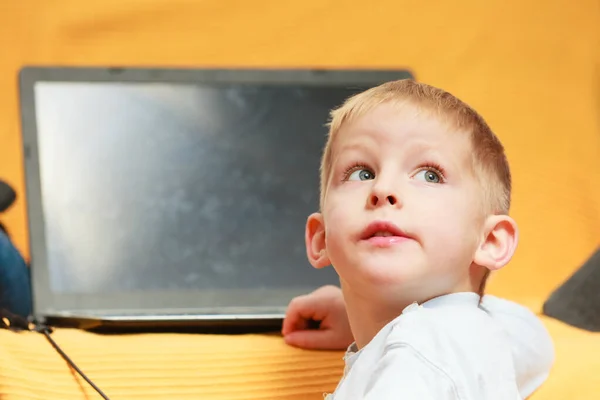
<point x="382" y="229"/>
<point x="383" y="234"/>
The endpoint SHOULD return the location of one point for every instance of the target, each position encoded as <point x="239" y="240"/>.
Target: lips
<point x="382" y="229"/>
<point x="383" y="234"/>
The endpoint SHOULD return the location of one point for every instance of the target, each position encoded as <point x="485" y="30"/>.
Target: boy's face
<point x="403" y="208"/>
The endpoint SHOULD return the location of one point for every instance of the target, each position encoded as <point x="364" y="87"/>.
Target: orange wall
<point x="531" y="68"/>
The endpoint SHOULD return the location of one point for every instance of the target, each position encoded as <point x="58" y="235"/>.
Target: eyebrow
<point x="355" y="146"/>
<point x="419" y="147"/>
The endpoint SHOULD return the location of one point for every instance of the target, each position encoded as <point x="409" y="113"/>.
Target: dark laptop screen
<point x="149" y="186"/>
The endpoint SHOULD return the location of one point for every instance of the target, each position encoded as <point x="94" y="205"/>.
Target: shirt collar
<point x="454" y="299"/>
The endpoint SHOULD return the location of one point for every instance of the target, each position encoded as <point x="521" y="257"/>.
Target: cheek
<point x="350" y="192"/>
<point x="344" y="203"/>
<point x="449" y="223"/>
<point x="341" y="220"/>
<point x="337" y="224"/>
<point x="334" y="242"/>
<point x="450" y="243"/>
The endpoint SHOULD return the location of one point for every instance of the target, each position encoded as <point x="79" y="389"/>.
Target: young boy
<point x="415" y="193"/>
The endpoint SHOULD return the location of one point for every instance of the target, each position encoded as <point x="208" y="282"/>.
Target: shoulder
<point x="513" y="317"/>
<point x="439" y="322"/>
<point x="450" y="337"/>
<point x="530" y="342"/>
<point x="524" y="329"/>
<point x="456" y="345"/>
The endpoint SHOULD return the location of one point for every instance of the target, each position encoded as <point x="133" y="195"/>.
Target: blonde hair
<point x="489" y="160"/>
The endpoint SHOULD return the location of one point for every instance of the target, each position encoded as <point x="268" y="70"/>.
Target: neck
<point x="366" y="317"/>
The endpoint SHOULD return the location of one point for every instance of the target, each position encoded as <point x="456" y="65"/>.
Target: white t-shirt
<point x="530" y="342"/>
<point x="447" y="348"/>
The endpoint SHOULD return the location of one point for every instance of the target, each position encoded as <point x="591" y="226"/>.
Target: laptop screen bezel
<point x="250" y="301"/>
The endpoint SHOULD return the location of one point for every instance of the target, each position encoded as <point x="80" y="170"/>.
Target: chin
<point x="392" y="273"/>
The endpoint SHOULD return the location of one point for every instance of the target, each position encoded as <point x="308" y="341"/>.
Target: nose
<point x="376" y="201"/>
<point x="383" y="195"/>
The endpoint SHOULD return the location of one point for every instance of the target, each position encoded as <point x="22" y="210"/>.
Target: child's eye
<point x="429" y="176"/>
<point x="361" y="175"/>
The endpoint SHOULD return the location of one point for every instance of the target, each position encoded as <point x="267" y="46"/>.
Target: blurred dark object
<point x="577" y="301"/>
<point x="7" y="196"/>
<point x="15" y="279"/>
<point x="12" y="321"/>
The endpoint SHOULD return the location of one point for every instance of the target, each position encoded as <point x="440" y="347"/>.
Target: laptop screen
<point x="151" y="193"/>
<point x="162" y="186"/>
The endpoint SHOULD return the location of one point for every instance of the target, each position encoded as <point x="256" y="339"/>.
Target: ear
<point x="315" y="241"/>
<point x="499" y="242"/>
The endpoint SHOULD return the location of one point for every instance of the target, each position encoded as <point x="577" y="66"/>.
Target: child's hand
<point x="324" y="308"/>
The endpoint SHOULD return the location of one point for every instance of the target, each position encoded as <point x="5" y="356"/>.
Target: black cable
<point x="46" y="333"/>
<point x="17" y="323"/>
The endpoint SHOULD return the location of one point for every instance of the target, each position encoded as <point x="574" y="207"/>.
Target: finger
<point x="297" y="324"/>
<point x="291" y="318"/>
<point x="314" y="340"/>
<point x="300" y="310"/>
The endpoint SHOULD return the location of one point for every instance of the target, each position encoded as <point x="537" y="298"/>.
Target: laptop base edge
<point x="166" y="325"/>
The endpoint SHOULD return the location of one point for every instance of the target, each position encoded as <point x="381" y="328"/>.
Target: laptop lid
<point x="170" y="191"/>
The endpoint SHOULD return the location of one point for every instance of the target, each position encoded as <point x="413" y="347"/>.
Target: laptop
<point x="175" y="197"/>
